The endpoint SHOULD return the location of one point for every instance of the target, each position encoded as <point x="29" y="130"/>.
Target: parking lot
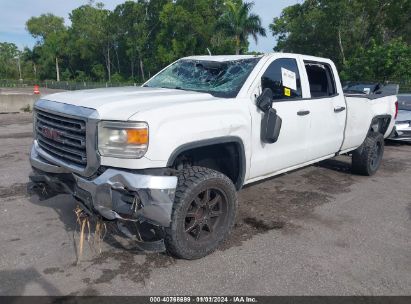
<point x="315" y="231"/>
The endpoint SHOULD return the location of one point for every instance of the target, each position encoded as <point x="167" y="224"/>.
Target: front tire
<point x="203" y="213"/>
<point x="366" y="160"/>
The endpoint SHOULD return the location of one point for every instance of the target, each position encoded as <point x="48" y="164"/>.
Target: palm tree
<point x="238" y="22"/>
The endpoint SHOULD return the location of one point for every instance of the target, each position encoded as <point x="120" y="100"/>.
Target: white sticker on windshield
<point x="289" y="79"/>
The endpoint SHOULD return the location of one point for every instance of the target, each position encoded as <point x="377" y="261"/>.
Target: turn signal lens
<point x="137" y="136"/>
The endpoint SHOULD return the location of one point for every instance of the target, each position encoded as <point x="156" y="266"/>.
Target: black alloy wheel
<point x="203" y="213"/>
<point x="206" y="214"/>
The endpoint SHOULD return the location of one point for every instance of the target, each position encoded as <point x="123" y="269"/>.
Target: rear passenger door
<point x="327" y="110"/>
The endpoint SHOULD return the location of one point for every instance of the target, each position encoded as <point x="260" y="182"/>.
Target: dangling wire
<point x="100" y="230"/>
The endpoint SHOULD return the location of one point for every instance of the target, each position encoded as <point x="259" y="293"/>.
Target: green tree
<point x="238" y="22"/>
<point x="398" y="20"/>
<point x="134" y="32"/>
<point x="91" y="36"/>
<point x="51" y="34"/>
<point x="98" y="71"/>
<point x="380" y="62"/>
<point x="30" y="58"/>
<point x="345" y="30"/>
<point x="188" y="28"/>
<point x="8" y="60"/>
<point x="326" y="28"/>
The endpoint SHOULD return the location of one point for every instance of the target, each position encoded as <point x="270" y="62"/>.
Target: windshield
<point x="222" y="79"/>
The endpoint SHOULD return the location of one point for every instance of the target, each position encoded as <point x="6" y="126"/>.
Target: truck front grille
<point x="62" y="137"/>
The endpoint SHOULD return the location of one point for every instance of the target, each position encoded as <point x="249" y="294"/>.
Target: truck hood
<point x="122" y="103"/>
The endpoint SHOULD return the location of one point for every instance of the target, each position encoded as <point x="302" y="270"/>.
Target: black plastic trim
<point x="302" y="99"/>
<point x="303" y="113"/>
<point x="215" y="141"/>
<point x="384" y="116"/>
<point x="339" y="109"/>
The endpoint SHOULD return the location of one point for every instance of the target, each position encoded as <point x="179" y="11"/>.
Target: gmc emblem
<point x="50" y="133"/>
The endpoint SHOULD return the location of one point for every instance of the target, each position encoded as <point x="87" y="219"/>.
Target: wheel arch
<point x="380" y="123"/>
<point x="213" y="145"/>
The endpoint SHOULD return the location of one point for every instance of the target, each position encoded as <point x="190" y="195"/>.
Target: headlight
<point x="122" y="139"/>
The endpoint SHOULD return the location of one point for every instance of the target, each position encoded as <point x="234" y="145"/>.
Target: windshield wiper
<point x="180" y="88"/>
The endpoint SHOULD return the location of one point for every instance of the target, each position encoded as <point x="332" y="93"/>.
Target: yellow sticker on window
<point x="287" y="92"/>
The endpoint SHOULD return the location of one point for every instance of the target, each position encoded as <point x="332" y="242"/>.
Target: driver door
<point x="282" y="76"/>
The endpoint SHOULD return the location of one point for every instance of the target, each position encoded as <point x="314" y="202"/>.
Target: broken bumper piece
<point x="128" y="196"/>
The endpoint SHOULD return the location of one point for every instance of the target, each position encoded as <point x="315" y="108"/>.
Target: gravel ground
<point x="315" y="231"/>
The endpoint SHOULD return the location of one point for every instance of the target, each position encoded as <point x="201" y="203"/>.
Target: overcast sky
<point x="15" y="13"/>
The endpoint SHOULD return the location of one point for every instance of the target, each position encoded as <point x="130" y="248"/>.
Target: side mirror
<point x="265" y="100"/>
<point x="270" y="127"/>
<point x="271" y="122"/>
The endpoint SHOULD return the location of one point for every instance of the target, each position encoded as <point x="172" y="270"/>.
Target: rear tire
<point x="366" y="160"/>
<point x="203" y="213"/>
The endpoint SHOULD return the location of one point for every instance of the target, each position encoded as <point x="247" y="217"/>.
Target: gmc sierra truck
<point x="172" y="154"/>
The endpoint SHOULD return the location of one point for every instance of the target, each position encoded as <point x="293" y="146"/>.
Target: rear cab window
<point x="283" y="78"/>
<point x="321" y="79"/>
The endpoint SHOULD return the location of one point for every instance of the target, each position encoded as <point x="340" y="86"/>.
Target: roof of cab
<point x="221" y="58"/>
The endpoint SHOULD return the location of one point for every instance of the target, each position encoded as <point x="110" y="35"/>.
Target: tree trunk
<point x="237" y="45"/>
<point x="142" y="70"/>
<point x="341" y="47"/>
<point x="132" y="69"/>
<point x="118" y="61"/>
<point x="57" y="69"/>
<point x="35" y="71"/>
<point x="108" y="64"/>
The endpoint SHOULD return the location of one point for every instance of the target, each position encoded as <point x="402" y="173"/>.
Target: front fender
<point x="188" y="124"/>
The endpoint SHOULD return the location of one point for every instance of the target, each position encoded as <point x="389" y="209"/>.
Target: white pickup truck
<point x="169" y="156"/>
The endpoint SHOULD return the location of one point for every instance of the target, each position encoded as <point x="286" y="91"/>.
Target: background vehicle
<point x="173" y="153"/>
<point x="371" y="88"/>
<point x="362" y="87"/>
<point x="402" y="128"/>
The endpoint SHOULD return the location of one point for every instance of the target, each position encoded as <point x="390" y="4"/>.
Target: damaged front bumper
<point x="115" y="194"/>
<point x="122" y="195"/>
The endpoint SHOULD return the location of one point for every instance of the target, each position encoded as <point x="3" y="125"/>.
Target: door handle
<point x="338" y="110"/>
<point x="303" y="113"/>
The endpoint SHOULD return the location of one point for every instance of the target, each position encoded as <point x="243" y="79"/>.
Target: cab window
<point x="283" y="78"/>
<point x="320" y="78"/>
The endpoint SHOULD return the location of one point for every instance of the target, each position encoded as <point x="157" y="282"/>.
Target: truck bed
<point x="361" y="109"/>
